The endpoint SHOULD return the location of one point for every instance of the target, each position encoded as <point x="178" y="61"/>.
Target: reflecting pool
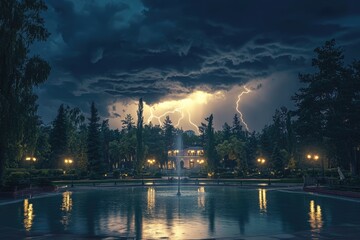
<point x="200" y="212"/>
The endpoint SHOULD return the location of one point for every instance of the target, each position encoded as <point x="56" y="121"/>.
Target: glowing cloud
<point x="181" y="107"/>
<point x="188" y="111"/>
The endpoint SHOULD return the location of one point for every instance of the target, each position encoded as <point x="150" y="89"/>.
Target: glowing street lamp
<point x="200" y="161"/>
<point x="31" y="159"/>
<point x="316" y="157"/>
<point x="69" y="162"/>
<point x="151" y="162"/>
<point x="262" y="161"/>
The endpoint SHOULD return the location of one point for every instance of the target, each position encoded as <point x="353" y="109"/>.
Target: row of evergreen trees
<point x="326" y="119"/>
<point x="325" y="122"/>
<point x="97" y="149"/>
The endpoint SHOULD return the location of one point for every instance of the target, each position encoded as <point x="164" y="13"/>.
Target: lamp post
<point x="69" y="162"/>
<point x="151" y="162"/>
<point x="30" y="160"/>
<point x="262" y="161"/>
<point x="200" y="162"/>
<point x="316" y="158"/>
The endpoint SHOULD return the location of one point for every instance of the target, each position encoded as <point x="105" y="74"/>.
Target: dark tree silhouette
<point x="328" y="107"/>
<point x="210" y="144"/>
<point x="127" y="123"/>
<point x="59" y="138"/>
<point x="94" y="144"/>
<point x="20" y="25"/>
<point x="139" y="137"/>
<point x="168" y="130"/>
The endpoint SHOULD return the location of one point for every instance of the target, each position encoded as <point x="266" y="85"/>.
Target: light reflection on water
<point x="28" y="215"/>
<point x="201" y="197"/>
<point x="151" y="198"/>
<point x="200" y="212"/>
<point x="315" y="220"/>
<point x="66" y="207"/>
<point x="262" y="200"/>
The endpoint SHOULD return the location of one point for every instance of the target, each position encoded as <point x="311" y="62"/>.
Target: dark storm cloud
<point x="113" y="50"/>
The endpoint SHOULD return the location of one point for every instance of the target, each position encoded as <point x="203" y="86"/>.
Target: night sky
<point x="190" y="55"/>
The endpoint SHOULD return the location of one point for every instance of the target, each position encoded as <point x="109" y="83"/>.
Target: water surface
<point x="200" y="212"/>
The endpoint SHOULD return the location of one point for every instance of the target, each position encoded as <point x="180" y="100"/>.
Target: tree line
<point x="325" y="121"/>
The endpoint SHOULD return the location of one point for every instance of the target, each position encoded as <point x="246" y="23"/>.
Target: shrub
<point x="227" y="175"/>
<point x="116" y="174"/>
<point x="355" y="181"/>
<point x="17" y="179"/>
<point x="43" y="182"/>
<point x="56" y="172"/>
<point x="44" y="172"/>
<point x="95" y="176"/>
<point x="158" y="175"/>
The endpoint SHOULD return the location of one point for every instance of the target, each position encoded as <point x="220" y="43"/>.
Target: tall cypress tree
<point x="59" y="139"/>
<point x="210" y="144"/>
<point x="168" y="130"/>
<point x="105" y="140"/>
<point x="139" y="137"/>
<point x="94" y="145"/>
<point x="251" y="149"/>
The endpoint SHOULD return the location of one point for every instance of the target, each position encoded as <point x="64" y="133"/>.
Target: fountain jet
<point x="179" y="146"/>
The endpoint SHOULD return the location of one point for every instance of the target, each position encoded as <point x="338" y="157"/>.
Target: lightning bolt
<point x="181" y="118"/>
<point x="179" y="110"/>
<point x="247" y="91"/>
<point x="196" y="127"/>
<point x="152" y="115"/>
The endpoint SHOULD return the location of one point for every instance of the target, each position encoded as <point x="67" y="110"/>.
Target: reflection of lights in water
<point x="201" y="197"/>
<point x="262" y="200"/>
<point x="28" y="215"/>
<point x="178" y="231"/>
<point x="66" y="207"/>
<point x="151" y="198"/>
<point x="316" y="221"/>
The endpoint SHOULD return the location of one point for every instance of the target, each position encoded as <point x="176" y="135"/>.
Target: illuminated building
<point x="191" y="158"/>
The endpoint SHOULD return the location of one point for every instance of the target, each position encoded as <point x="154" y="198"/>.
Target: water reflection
<point x="66" y="207"/>
<point x="28" y="215"/>
<point x="151" y="198"/>
<point x="262" y="200"/>
<point x="201" y="212"/>
<point x="316" y="221"/>
<point x="201" y="197"/>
